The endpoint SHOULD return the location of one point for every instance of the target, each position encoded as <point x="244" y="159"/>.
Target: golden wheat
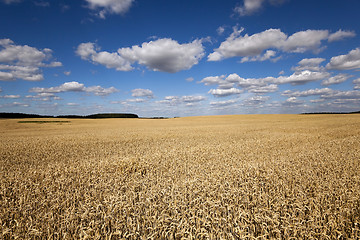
<point x="219" y="177"/>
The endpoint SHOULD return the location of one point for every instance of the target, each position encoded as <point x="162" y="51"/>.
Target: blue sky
<point x="179" y="58"/>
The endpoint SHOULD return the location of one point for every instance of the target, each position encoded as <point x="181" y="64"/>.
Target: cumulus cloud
<point x="311" y="64"/>
<point x="75" y="87"/>
<point x="302" y="77"/>
<point x="305" y="40"/>
<point x="192" y="99"/>
<point x="356" y="82"/>
<point x="128" y="101"/>
<point x="43" y="97"/>
<point x="109" y="6"/>
<point x="251" y="7"/>
<point x="225" y="92"/>
<point x="165" y="55"/>
<point x="187" y="100"/>
<point x="10" y="96"/>
<point x="293" y="101"/>
<point x="342" y="77"/>
<point x="72" y="104"/>
<point x="67" y="73"/>
<point x="88" y="51"/>
<point x="310" y="92"/>
<point x="23" y="62"/>
<point x="256" y="100"/>
<point x="139" y="92"/>
<point x="243" y="46"/>
<point x="223" y="103"/>
<point x="261" y="46"/>
<point x="355" y="94"/>
<point x="190" y="79"/>
<point x="213" y="80"/>
<point x="226" y="85"/>
<point x="345" y="62"/>
<point x="269" y="54"/>
<point x="264" y="89"/>
<point x="336" y="96"/>
<point x="220" y="30"/>
<point x="340" y="35"/>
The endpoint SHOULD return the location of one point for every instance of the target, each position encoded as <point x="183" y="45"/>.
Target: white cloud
<point x="264" y="89"/>
<point x="342" y="77"/>
<point x="128" y="101"/>
<point x="189" y="100"/>
<point x="100" y="91"/>
<point x="243" y="46"/>
<point x="310" y="92"/>
<point x="190" y="79"/>
<point x="248" y="82"/>
<point x="340" y="35"/>
<point x="305" y="40"/>
<point x="261" y="85"/>
<point x="6" y="76"/>
<point x="252" y="47"/>
<point x="72" y="104"/>
<point x="293" y="101"/>
<point x="342" y="95"/>
<point x="250" y="7"/>
<point x="88" y="51"/>
<point x="75" y="87"/>
<point x="10" y="96"/>
<point x="269" y="54"/>
<point x="345" y="62"/>
<point x="23" y="62"/>
<point x="223" y="103"/>
<point x="213" y="80"/>
<point x="15" y="104"/>
<point x="256" y="100"/>
<point x="311" y="64"/>
<point x="136" y="100"/>
<point x="192" y="99"/>
<point x="110" y="6"/>
<point x="165" y="55"/>
<point x="225" y="92"/>
<point x="317" y="100"/>
<point x="220" y="30"/>
<point x="139" y="92"/>
<point x="357" y="83"/>
<point x="301" y="77"/>
<point x="67" y="73"/>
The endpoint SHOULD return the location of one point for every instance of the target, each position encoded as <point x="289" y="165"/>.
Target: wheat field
<point x="212" y="177"/>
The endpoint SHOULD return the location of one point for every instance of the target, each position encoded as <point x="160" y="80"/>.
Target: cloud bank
<point x="164" y="55"/>
<point x="23" y="62"/>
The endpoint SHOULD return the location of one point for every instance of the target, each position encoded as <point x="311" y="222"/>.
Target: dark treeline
<point x="333" y="113"/>
<point x="92" y="116"/>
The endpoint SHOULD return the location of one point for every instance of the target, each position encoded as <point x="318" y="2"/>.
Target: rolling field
<point x="218" y="177"/>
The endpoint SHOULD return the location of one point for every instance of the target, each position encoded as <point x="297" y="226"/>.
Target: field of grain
<point x="218" y="177"/>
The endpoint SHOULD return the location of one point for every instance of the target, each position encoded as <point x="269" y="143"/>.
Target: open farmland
<point x="218" y="177"/>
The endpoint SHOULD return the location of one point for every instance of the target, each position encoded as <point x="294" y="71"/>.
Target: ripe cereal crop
<point x="212" y="177"/>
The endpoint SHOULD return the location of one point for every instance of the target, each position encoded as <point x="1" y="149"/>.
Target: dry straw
<point x="229" y="177"/>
